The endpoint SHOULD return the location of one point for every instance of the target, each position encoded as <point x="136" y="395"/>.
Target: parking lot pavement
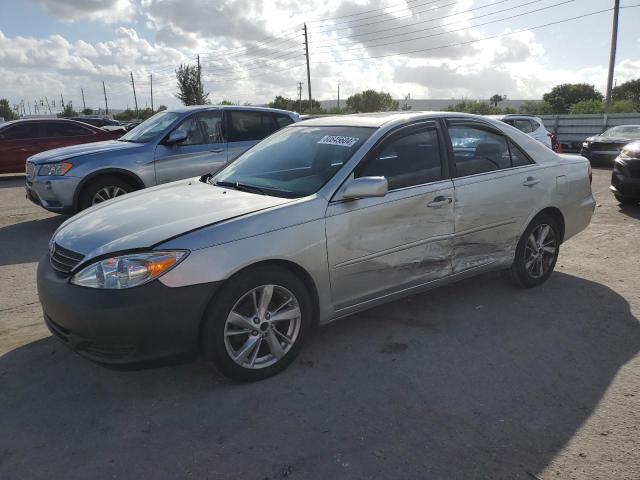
<point x="474" y="380"/>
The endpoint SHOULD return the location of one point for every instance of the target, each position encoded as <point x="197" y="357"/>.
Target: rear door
<point x="246" y="128"/>
<point x="378" y="246"/>
<point x="497" y="186"/>
<point x="204" y="150"/>
<point x="17" y="143"/>
<point x="61" y="134"/>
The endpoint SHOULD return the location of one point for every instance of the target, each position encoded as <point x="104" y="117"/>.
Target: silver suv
<point x="171" y="145"/>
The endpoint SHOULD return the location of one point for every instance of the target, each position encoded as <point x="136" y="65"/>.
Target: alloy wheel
<point x="107" y="193"/>
<point x="540" y="250"/>
<point x="262" y="326"/>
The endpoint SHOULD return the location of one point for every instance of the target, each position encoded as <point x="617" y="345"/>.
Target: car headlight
<point x="56" y="169"/>
<point x="126" y="271"/>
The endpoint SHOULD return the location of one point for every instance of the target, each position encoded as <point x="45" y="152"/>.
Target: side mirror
<point x="176" y="136"/>
<point x="365" y="187"/>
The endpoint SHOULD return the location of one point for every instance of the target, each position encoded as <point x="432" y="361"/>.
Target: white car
<point x="528" y="124"/>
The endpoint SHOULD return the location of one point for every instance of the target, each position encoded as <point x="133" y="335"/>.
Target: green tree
<point x="5" y="110"/>
<point x="473" y="106"/>
<point x="372" y="101"/>
<point x="190" y="91"/>
<point x="536" y="107"/>
<point x="68" y="111"/>
<point x="496" y="99"/>
<point x="586" y="106"/>
<point x="563" y="96"/>
<point x="628" y="91"/>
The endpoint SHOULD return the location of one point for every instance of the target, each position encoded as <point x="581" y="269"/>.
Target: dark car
<point x="19" y="139"/>
<point x="607" y="146"/>
<point x="97" y="121"/>
<point x="625" y="179"/>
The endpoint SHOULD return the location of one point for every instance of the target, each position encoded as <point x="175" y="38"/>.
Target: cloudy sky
<point x="252" y="50"/>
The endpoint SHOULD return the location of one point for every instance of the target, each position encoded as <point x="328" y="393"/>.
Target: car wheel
<point x="255" y="326"/>
<point x="624" y="200"/>
<point x="103" y="189"/>
<point x="536" y="253"/>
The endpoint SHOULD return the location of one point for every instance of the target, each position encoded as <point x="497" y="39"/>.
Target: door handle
<point x="217" y="150"/>
<point x="439" y="202"/>
<point x="530" y="182"/>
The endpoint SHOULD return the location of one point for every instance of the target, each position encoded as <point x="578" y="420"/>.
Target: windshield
<point x="150" y="127"/>
<point x="623" y="131"/>
<point x="293" y="162"/>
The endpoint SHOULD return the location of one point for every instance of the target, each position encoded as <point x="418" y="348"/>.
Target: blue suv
<point x="171" y="145"/>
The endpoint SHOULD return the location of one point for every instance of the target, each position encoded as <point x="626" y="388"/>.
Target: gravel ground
<point x="475" y="380"/>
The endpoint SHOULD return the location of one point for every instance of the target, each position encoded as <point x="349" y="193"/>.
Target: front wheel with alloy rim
<point x="103" y="189"/>
<point x="536" y="253"/>
<point x="255" y="326"/>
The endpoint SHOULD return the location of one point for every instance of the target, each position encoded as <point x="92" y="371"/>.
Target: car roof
<point x="195" y="108"/>
<point x="379" y="119"/>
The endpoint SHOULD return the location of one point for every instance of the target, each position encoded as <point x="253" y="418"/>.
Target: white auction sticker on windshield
<point x="338" y="140"/>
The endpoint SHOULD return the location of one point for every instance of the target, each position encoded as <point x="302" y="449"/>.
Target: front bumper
<point x="599" y="156"/>
<point x="55" y="194"/>
<point x="123" y="327"/>
<point x="625" y="186"/>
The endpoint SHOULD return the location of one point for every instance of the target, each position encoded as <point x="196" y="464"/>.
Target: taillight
<point x="590" y="173"/>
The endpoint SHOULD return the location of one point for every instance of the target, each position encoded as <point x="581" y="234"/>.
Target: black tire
<point x="519" y="274"/>
<point x="625" y="200"/>
<point x="95" y="186"/>
<point x="213" y="343"/>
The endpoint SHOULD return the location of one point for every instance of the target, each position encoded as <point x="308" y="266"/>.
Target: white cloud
<point x="108" y="11"/>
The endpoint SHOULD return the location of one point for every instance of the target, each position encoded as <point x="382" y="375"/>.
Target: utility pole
<point x="135" y="99"/>
<point x="306" y="50"/>
<point x="199" y="81"/>
<point x="300" y="97"/>
<point x="106" y="105"/>
<point x="612" y="55"/>
<point x="151" y="80"/>
<point x="84" y="106"/>
<point x="338" y="97"/>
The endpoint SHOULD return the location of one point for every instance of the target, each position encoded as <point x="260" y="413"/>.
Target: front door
<point x="203" y="151"/>
<point x="378" y="246"/>
<point x="497" y="186"/>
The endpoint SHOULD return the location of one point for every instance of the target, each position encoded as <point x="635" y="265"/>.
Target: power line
<point x="457" y="30"/>
<point x="460" y="44"/>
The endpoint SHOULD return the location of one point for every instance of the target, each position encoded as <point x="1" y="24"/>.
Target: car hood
<point x="601" y="139"/>
<point x="65" y="153"/>
<point x="145" y="218"/>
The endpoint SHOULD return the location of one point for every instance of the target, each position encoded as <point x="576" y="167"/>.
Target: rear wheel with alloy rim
<point x="254" y="327"/>
<point x="536" y="253"/>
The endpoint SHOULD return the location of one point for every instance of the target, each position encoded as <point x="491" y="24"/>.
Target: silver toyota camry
<point x="322" y="219"/>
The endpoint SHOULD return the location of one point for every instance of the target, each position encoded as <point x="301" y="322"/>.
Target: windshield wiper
<point x="241" y="186"/>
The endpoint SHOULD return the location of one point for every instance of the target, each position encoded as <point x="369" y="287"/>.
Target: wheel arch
<point x="121" y="173"/>
<point x="557" y="215"/>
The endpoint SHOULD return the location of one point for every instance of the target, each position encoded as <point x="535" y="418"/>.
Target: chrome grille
<point x="30" y="170"/>
<point x="62" y="259"/>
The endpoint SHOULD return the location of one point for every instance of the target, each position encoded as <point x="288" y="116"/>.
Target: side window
<point x="406" y="161"/>
<point x="191" y="127"/>
<point x="283" y="120"/>
<point x="518" y="158"/>
<point x="211" y="125"/>
<point x="60" y="129"/>
<point x="22" y="131"/>
<point x="524" y="126"/>
<point x="477" y="150"/>
<point x="248" y="126"/>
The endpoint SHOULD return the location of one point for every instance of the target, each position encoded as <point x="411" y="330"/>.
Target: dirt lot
<point x="476" y="380"/>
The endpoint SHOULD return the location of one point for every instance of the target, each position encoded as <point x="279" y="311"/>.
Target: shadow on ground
<point x="476" y="380"/>
<point x="26" y="242"/>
